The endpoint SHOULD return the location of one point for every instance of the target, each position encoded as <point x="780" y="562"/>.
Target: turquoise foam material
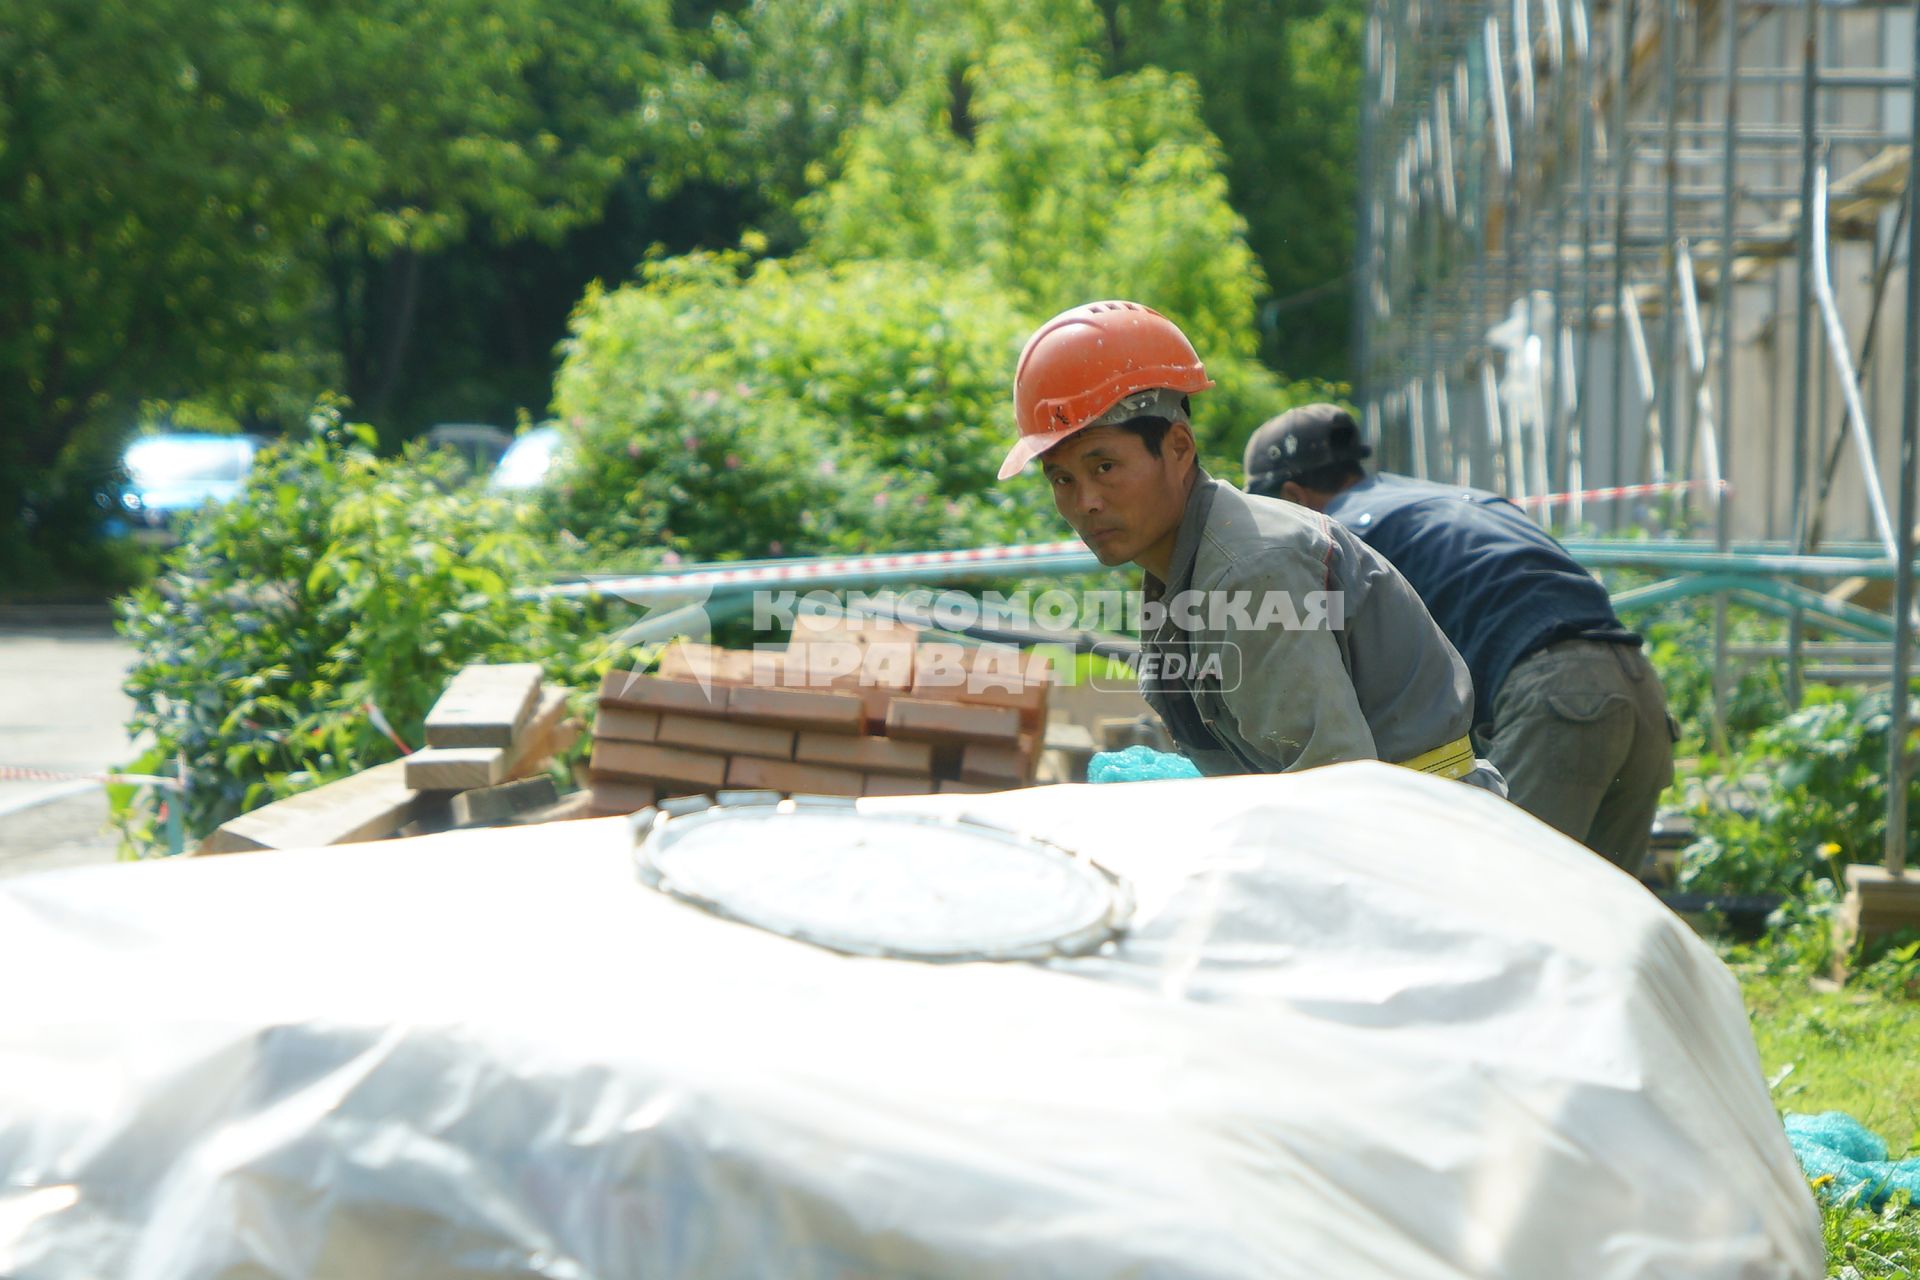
<point x="1139" y="764"/>
<point x="1834" y="1143"/>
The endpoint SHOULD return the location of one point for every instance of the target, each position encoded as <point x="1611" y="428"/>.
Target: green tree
<point x="184" y="186"/>
<point x="1279" y="85"/>
<point x="775" y="84"/>
<point x="1064" y="186"/>
<point x="778" y="83"/>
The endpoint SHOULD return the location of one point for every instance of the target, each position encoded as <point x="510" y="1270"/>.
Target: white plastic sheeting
<point x="1367" y="1024"/>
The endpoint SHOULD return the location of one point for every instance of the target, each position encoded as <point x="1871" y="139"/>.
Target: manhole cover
<point x="904" y="885"/>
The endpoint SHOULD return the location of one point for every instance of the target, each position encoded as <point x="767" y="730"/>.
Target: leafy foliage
<point x="1064" y="186"/>
<point x="1279" y="85"/>
<point x="719" y="410"/>
<point x="1817" y="800"/>
<point x="774" y="86"/>
<point x="779" y="84"/>
<point x="1680" y="644"/>
<point x="261" y="155"/>
<point x="335" y="580"/>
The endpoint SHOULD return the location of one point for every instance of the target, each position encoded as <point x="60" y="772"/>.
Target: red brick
<point x="725" y="737"/>
<point x="843" y="654"/>
<point x="749" y="773"/>
<point x="968" y="788"/>
<point x="651" y="693"/>
<point x="799" y="708"/>
<point x="685" y="660"/>
<point x="991" y="677"/>
<point x="866" y="752"/>
<point x="625" y="724"/>
<point x="618" y="795"/>
<point x="930" y="719"/>
<point x="658" y="764"/>
<point x="883" y="649"/>
<point x="892" y="784"/>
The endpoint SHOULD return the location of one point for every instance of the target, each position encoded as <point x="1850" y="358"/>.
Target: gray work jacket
<point x="1329" y="655"/>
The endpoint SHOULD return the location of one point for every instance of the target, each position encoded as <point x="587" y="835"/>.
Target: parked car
<point x="173" y="472"/>
<point x="480" y="446"/>
<point x="527" y="461"/>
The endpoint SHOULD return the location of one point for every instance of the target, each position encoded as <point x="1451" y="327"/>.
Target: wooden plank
<point x="725" y="737"/>
<point x="565" y="809"/>
<point x="455" y="768"/>
<point x="367" y="806"/>
<point x="866" y="752"/>
<point x="997" y="763"/>
<point x="485" y="705"/>
<point x="818" y="709"/>
<point x="547" y="734"/>
<point x="748" y="773"/>
<point x="647" y="763"/>
<point x="472" y="768"/>
<point x="1876" y="905"/>
<point x="931" y="719"/>
<point x="490" y="806"/>
<point x="651" y="693"/>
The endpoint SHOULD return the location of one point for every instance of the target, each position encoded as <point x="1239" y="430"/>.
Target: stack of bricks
<point x="842" y="712"/>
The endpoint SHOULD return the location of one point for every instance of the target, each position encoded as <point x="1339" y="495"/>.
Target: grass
<point x="1853" y="1050"/>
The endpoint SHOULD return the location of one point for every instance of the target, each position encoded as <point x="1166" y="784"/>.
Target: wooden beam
<point x="485" y="705"/>
<point x="367" y="806"/>
<point x="468" y="768"/>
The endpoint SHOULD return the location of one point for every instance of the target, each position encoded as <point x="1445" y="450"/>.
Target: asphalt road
<point x="61" y="710"/>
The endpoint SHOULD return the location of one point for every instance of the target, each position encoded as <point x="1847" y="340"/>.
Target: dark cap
<point x="1298" y="441"/>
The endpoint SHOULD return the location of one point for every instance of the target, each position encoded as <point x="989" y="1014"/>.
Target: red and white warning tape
<point x="696" y="580"/>
<point x="1619" y="491"/>
<point x="881" y="564"/>
<point x="1071" y="552"/>
<point x="19" y="773"/>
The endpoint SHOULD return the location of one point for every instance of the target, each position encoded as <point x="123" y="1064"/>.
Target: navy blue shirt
<point x="1495" y="582"/>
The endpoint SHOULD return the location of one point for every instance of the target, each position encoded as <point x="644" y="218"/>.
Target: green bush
<point x="334" y="580"/>
<point x="1821" y="803"/>
<point x="715" y="411"/>
<point x="1680" y="645"/>
<point x="858" y="397"/>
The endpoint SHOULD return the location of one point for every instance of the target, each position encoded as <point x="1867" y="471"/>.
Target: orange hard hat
<point x="1082" y="362"/>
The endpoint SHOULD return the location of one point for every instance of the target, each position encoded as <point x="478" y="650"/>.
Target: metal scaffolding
<point x="1589" y="231"/>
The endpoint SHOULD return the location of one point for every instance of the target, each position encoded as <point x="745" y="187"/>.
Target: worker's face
<point x="1118" y="497"/>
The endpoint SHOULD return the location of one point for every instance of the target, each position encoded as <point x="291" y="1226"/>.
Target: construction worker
<point x="1285" y="642"/>
<point x="1566" y="704"/>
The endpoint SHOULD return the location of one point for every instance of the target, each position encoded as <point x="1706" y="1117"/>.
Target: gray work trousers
<point x="1581" y="731"/>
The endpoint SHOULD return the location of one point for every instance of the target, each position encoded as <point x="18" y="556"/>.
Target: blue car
<point x="175" y="472"/>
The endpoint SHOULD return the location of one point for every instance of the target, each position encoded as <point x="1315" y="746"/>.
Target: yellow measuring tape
<point x="1455" y="760"/>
